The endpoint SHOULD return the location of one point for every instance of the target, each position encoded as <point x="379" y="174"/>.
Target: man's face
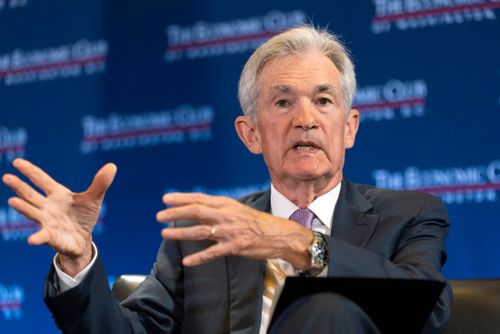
<point x="301" y="127"/>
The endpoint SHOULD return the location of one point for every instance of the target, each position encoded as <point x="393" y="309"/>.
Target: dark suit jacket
<point x="375" y="233"/>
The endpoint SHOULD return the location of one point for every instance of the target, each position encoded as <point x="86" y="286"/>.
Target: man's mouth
<point x="305" y="147"/>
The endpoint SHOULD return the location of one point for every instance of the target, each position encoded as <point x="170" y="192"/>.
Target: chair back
<point x="476" y="307"/>
<point x="125" y="284"/>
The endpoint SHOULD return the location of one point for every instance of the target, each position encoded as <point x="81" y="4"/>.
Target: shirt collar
<point x="323" y="206"/>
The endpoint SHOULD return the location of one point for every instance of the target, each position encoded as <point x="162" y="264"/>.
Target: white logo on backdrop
<point x="205" y="39"/>
<point x="182" y="124"/>
<point x="11" y="301"/>
<point x="83" y="57"/>
<point x="417" y="14"/>
<point x="455" y="185"/>
<point x="391" y="100"/>
<point x="12" y="143"/>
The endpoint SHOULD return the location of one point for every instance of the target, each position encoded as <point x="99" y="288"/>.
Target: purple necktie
<point x="304" y="217"/>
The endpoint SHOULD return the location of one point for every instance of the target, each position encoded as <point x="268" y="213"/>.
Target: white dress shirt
<point x="323" y="208"/>
<point x="67" y="282"/>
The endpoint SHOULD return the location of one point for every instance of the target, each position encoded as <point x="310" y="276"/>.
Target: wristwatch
<point x="319" y="255"/>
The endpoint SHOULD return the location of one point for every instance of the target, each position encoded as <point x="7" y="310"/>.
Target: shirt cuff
<point x="67" y="282"/>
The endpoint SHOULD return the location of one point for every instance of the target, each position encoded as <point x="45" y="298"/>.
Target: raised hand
<point x="237" y="229"/>
<point x="66" y="219"/>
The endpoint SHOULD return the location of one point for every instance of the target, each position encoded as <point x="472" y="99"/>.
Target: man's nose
<point x="305" y="116"/>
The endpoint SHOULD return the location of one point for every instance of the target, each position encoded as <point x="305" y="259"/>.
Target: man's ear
<point x="351" y="128"/>
<point x="248" y="133"/>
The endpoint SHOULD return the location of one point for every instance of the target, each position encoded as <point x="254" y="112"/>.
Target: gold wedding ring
<point x="212" y="233"/>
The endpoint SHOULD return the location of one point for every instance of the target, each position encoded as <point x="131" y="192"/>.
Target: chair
<point x="475" y="309"/>
<point x="125" y="284"/>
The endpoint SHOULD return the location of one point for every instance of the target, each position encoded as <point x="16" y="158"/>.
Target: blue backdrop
<point x="152" y="86"/>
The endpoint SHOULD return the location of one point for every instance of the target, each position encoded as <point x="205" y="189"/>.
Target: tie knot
<point x="304" y="217"/>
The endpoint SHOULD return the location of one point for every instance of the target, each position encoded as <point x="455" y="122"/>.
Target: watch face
<point x="319" y="255"/>
<point x="319" y="251"/>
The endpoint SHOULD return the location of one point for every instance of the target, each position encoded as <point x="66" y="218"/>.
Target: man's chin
<point x="309" y="175"/>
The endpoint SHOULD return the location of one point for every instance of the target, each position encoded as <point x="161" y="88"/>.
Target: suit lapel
<point x="353" y="221"/>
<point x="246" y="281"/>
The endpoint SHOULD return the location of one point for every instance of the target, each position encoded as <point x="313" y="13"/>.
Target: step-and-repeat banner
<point x="152" y="87"/>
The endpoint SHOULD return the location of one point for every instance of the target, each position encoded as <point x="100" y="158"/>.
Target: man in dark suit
<point x="223" y="262"/>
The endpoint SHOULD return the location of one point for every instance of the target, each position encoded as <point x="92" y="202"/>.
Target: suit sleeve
<point x="415" y="250"/>
<point x="154" y="307"/>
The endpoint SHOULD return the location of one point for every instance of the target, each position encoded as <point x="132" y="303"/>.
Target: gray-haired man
<point x="213" y="270"/>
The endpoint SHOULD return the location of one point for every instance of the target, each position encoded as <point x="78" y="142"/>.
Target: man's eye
<point x="282" y="103"/>
<point x="324" y="101"/>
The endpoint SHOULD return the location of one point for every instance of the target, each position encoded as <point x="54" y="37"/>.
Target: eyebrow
<point x="325" y="88"/>
<point x="280" y="89"/>
<point x="276" y="90"/>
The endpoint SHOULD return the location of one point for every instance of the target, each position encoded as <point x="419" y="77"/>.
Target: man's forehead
<point x="309" y="73"/>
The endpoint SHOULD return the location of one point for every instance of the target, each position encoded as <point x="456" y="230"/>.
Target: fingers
<point x="36" y="175"/>
<point x="177" y="199"/>
<point x="199" y="232"/>
<point x="197" y="212"/>
<point x="207" y="255"/>
<point x="39" y="238"/>
<point x="197" y="206"/>
<point x="23" y="190"/>
<point x="26" y="209"/>
<point x="102" y="181"/>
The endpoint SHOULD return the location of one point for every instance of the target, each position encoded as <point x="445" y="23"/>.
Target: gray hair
<point x="296" y="41"/>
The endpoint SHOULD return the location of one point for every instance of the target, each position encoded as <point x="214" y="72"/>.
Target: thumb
<point x="39" y="238"/>
<point x="102" y="181"/>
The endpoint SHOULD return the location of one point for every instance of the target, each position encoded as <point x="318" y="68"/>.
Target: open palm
<point x="66" y="219"/>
